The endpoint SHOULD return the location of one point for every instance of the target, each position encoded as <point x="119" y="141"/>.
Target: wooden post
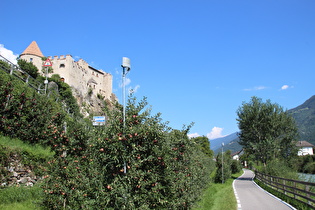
<point x="307" y="188"/>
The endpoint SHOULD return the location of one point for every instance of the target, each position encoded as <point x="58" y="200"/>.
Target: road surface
<point x="251" y="197"/>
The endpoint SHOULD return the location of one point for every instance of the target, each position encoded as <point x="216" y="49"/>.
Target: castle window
<point x="94" y="86"/>
<point x="62" y="65"/>
<point x="31" y="60"/>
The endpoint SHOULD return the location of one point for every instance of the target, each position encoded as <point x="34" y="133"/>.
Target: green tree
<point x="204" y="145"/>
<point x="266" y="130"/>
<point x="227" y="162"/>
<point x="30" y="68"/>
<point x="236" y="166"/>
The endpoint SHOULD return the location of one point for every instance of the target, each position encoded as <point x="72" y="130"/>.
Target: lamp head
<point x="126" y="63"/>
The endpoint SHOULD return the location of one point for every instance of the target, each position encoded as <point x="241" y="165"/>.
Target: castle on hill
<point x="83" y="78"/>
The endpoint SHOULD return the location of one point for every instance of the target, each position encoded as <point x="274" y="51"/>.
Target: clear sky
<point x="195" y="60"/>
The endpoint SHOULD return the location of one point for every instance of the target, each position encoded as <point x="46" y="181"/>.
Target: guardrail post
<point x="294" y="190"/>
<point x="307" y="189"/>
<point x="11" y="69"/>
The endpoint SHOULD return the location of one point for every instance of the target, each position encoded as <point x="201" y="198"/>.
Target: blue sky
<point x="195" y="61"/>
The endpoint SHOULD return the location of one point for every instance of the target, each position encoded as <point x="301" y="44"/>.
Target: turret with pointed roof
<point x="33" y="54"/>
<point x="33" y="49"/>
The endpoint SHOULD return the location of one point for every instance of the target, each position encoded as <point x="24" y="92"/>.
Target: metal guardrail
<point x="22" y="75"/>
<point x="303" y="192"/>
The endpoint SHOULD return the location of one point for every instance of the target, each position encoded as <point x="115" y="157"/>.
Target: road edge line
<point x="239" y="206"/>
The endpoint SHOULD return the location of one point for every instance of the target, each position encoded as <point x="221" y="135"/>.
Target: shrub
<point x="28" y="67"/>
<point x="143" y="165"/>
<point x="279" y="168"/>
<point x="236" y="166"/>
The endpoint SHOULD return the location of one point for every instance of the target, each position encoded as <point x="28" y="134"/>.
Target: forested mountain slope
<point x="305" y="119"/>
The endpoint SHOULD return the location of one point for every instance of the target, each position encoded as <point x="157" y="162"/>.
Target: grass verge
<point x="20" y="198"/>
<point x="219" y="196"/>
<point x="18" y="145"/>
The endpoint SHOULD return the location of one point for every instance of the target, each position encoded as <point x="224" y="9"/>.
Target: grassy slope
<point x="20" y="146"/>
<point x="22" y="198"/>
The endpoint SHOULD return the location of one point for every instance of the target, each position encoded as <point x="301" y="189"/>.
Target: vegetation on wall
<point x="28" y="67"/>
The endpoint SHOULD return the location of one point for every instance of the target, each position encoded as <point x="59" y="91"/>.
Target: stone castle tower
<point x="86" y="81"/>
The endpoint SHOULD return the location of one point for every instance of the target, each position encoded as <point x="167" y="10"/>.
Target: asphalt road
<point x="252" y="197"/>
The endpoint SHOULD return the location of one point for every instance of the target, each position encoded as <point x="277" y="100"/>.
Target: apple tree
<point x="142" y="165"/>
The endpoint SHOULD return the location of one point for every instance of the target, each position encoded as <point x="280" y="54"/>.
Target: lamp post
<point x="222" y="163"/>
<point x="126" y="68"/>
<point x="47" y="63"/>
<point x="46" y="81"/>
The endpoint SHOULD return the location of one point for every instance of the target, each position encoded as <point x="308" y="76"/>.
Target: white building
<point x="305" y="148"/>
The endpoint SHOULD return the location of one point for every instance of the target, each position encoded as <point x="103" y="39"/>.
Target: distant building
<point x="82" y="77"/>
<point x="305" y="148"/>
<point x="236" y="155"/>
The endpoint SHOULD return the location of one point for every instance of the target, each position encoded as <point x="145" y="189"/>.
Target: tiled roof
<point x="33" y="49"/>
<point x="304" y="144"/>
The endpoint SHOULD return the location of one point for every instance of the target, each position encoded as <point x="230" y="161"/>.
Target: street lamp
<point x="222" y="162"/>
<point x="46" y="81"/>
<point x="126" y="68"/>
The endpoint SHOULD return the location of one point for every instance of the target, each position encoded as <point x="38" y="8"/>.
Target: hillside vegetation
<point x="145" y="164"/>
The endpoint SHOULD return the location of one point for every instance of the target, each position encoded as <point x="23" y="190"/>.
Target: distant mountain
<point x="230" y="143"/>
<point x="233" y="146"/>
<point x="304" y="116"/>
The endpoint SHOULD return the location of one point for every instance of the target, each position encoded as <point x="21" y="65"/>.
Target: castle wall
<point x="82" y="77"/>
<point x="36" y="60"/>
<point x="78" y="74"/>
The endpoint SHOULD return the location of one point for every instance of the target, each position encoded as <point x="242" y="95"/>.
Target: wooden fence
<point x="303" y="192"/>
